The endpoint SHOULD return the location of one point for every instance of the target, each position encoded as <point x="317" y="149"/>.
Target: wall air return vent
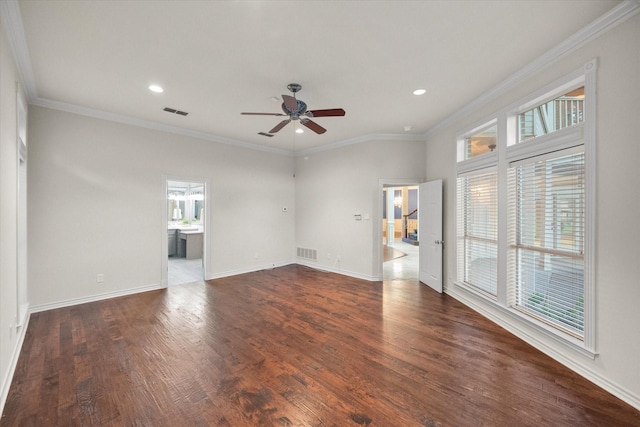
<point x="311" y="254"/>
<point x="174" y="111"/>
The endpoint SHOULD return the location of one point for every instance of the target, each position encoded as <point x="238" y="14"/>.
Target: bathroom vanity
<point x="186" y="242"/>
<point x="190" y="244"/>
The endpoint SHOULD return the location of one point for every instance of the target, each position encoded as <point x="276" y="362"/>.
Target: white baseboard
<point x="530" y="338"/>
<point x="229" y="273"/>
<point x="13" y="362"/>
<point x="317" y="266"/>
<point x="97" y="297"/>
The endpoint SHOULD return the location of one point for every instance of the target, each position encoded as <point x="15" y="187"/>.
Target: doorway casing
<point x="206" y="250"/>
<point x="377" y="232"/>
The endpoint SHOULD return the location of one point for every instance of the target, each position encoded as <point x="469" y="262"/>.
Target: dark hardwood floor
<point x="292" y="347"/>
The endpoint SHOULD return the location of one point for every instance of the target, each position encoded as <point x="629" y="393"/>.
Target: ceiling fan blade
<point x="280" y="126"/>
<point x="313" y="126"/>
<point x="263" y="114"/>
<point x="331" y="112"/>
<point x="290" y="102"/>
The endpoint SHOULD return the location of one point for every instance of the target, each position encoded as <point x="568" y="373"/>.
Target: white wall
<point x="332" y="186"/>
<point x="96" y="202"/>
<point x="618" y="208"/>
<point x="10" y="335"/>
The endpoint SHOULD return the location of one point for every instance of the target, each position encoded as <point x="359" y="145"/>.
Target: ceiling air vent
<point x="265" y="134"/>
<point x="174" y="111"/>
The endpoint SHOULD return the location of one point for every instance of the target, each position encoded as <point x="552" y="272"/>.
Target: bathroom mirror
<point x="185" y="202"/>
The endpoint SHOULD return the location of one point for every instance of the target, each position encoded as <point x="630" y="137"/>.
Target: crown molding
<point x="147" y="124"/>
<point x="12" y="22"/>
<point x="359" y="140"/>
<point x="595" y="29"/>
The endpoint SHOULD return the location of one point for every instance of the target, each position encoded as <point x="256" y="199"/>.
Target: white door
<point x="430" y="234"/>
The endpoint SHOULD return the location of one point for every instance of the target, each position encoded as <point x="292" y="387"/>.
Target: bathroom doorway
<point x="185" y="230"/>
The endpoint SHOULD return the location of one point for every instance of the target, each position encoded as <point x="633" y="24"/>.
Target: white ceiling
<point x="216" y="59"/>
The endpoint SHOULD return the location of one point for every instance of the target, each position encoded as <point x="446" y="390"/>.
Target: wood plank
<point x="292" y="346"/>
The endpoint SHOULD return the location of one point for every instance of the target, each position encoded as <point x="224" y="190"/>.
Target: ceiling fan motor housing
<point x="295" y="114"/>
<point x="294" y="87"/>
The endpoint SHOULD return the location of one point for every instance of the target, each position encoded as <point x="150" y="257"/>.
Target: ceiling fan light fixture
<point x="419" y="92"/>
<point x="156" y="88"/>
<point x="296" y="109"/>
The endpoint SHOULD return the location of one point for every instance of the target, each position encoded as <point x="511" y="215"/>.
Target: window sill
<point x="523" y="326"/>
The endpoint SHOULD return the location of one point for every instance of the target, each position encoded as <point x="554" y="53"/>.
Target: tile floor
<point x="406" y="267"/>
<point x="182" y="270"/>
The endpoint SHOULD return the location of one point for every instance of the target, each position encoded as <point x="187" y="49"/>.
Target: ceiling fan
<point x="297" y="110"/>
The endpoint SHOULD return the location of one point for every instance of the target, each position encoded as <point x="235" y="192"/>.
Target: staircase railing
<point x="405" y="223"/>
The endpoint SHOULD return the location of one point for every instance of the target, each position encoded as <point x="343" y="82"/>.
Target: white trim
<point x="147" y="124"/>
<point x="559" y="140"/>
<point x="523" y="330"/>
<point x="338" y="271"/>
<point x="477" y="163"/>
<point x="313" y="265"/>
<point x="602" y="24"/>
<point x="229" y="273"/>
<point x="361" y="139"/>
<point x="12" y="22"/>
<point x="589" y="138"/>
<point x="13" y="363"/>
<point x="93" y="298"/>
<point x="559" y="150"/>
<point x="378" y="257"/>
<point x="206" y="224"/>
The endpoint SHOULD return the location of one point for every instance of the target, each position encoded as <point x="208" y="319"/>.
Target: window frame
<point x="462" y="265"/>
<point x="509" y="151"/>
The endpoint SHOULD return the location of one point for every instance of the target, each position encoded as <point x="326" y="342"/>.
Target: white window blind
<point x="548" y="220"/>
<point x="478" y="230"/>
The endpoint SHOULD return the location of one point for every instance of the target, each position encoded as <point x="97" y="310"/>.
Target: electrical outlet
<point x="100" y="278"/>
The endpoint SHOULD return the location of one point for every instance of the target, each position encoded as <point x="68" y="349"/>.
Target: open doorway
<point x="400" y="239"/>
<point x="185" y="230"/>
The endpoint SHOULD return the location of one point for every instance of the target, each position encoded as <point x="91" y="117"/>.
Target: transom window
<point x="559" y="113"/>
<point x="480" y="142"/>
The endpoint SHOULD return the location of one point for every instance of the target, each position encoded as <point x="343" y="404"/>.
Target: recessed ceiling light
<point x="156" y="89"/>
<point x="407" y="128"/>
<point x="419" y="92"/>
<point x="299" y="130"/>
